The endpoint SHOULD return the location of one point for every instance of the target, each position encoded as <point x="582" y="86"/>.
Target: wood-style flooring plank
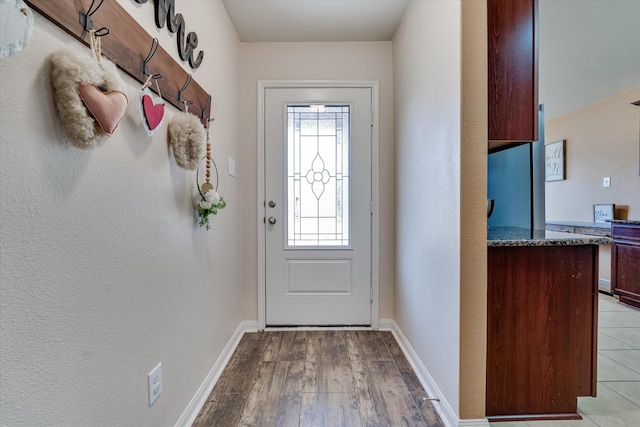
<point x="241" y="370"/>
<point x="221" y="410"/>
<point x="367" y="345"/>
<point x="328" y="376"/>
<point x="330" y="410"/>
<point x="426" y="408"/>
<point x="323" y="348"/>
<point x="275" y="398"/>
<point x="408" y="375"/>
<point x="383" y="398"/>
<point x="283" y="346"/>
<point x="318" y="378"/>
<point x="327" y="367"/>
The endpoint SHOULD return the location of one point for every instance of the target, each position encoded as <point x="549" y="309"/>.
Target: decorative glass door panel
<point x="318" y="175"/>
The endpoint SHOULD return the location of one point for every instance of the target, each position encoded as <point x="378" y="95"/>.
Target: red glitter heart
<point x="153" y="113"/>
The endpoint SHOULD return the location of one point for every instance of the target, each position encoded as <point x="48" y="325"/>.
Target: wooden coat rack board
<point x="128" y="45"/>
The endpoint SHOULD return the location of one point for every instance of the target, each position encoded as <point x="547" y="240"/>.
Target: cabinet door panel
<point x="513" y="70"/>
<point x="627" y="270"/>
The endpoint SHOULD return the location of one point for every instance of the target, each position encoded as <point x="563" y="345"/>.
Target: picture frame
<point x="554" y="161"/>
<point x="604" y="212"/>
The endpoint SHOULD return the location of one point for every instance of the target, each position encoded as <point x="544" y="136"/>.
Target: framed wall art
<point x="554" y="161"/>
<point x="603" y="213"/>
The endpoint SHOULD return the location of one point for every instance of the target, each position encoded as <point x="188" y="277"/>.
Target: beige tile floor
<point x="618" y="401"/>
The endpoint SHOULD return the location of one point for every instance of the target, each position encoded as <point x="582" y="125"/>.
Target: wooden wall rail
<point x="127" y="45"/>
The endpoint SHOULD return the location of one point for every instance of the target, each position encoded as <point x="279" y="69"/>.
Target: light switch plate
<point x="232" y="167"/>
<point x="606" y="181"/>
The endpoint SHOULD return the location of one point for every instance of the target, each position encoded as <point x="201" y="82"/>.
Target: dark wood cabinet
<point x="542" y="305"/>
<point x="513" y="72"/>
<point x="625" y="263"/>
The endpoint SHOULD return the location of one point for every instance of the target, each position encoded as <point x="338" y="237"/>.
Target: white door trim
<point x="263" y="85"/>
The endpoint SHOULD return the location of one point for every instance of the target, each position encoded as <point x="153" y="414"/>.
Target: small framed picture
<point x="554" y="161"/>
<point x="603" y="213"/>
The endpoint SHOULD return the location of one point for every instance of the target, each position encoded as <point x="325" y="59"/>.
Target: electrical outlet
<point x="155" y="383"/>
<point x="232" y="167"/>
<point x="606" y="181"/>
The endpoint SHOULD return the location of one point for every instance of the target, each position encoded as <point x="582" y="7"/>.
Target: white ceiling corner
<point x="315" y="20"/>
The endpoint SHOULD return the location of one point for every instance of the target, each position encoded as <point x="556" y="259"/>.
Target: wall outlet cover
<point x="606" y="181"/>
<point x="155" y="383"/>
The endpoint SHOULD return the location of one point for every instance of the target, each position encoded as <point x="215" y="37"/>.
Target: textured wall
<point x="427" y="105"/>
<point x="104" y="271"/>
<point x="316" y="61"/>
<point x="440" y="97"/>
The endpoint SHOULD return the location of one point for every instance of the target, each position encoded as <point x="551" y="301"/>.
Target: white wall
<point x="315" y="61"/>
<point x="440" y="163"/>
<point x="104" y="271"/>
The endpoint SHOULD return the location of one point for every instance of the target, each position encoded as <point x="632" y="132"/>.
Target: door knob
<point x="272" y="204"/>
<point x="272" y="220"/>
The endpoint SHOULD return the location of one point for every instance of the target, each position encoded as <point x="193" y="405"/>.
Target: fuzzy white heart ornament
<point x="151" y="109"/>
<point x="187" y="138"/>
<point x="107" y="108"/>
<point x="70" y="68"/>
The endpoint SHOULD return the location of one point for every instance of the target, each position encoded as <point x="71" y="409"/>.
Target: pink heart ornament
<point x="153" y="111"/>
<point x="107" y="108"/>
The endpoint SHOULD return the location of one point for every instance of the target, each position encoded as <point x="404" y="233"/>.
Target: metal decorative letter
<point x="166" y="14"/>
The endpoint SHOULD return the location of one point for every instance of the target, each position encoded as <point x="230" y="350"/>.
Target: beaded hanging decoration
<point x="207" y="182"/>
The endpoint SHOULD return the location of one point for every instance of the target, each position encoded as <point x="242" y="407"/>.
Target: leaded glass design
<point x="318" y="175"/>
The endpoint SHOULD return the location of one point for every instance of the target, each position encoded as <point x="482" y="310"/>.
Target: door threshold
<point x="318" y="328"/>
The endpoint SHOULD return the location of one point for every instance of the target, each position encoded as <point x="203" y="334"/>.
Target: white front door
<point x="318" y="206"/>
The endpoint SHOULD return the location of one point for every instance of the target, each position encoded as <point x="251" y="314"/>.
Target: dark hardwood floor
<point x="318" y="378"/>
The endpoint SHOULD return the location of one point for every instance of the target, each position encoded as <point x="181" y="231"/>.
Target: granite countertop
<point x="514" y="236"/>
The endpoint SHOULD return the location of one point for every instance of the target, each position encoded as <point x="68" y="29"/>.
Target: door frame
<point x="263" y="85"/>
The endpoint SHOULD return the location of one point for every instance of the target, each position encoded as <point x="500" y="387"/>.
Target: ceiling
<point x="589" y="49"/>
<point x="315" y="20"/>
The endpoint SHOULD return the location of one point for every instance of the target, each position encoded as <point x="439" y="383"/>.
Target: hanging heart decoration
<point x="151" y="110"/>
<point x="107" y="108"/>
<point x="87" y="92"/>
<point x="187" y="138"/>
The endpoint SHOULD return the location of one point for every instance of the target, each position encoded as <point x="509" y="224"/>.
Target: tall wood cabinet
<point x="625" y="262"/>
<point x="513" y="72"/>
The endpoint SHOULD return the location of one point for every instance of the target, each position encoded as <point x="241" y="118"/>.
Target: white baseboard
<point x="448" y="415"/>
<point x="193" y="409"/>
<point x="385" y="324"/>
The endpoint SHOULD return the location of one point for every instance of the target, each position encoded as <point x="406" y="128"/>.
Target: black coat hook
<point x="152" y="51"/>
<point x="101" y="32"/>
<point x="85" y="18"/>
<point x="184" y="87"/>
<point x="204" y="110"/>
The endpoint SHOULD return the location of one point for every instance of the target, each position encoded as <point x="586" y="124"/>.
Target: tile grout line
<point x="633" y="403"/>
